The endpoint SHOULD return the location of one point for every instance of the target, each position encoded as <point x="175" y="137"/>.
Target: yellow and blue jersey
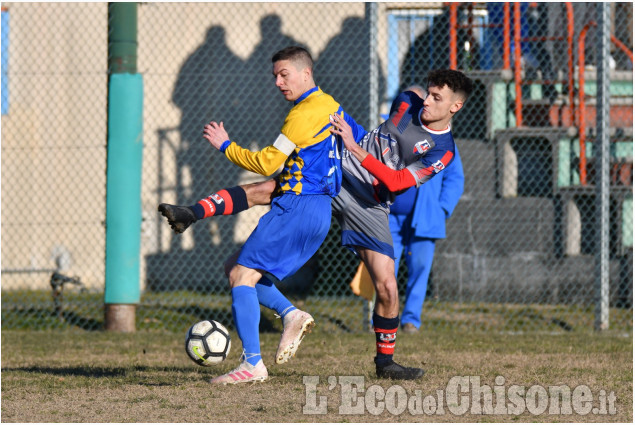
<point x="310" y="153"/>
<point x="296" y="225"/>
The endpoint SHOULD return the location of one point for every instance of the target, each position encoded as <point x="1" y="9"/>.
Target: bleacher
<point x="530" y="169"/>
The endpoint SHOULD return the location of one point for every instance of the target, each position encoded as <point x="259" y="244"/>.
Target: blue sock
<point x="271" y="297"/>
<point x="246" y="312"/>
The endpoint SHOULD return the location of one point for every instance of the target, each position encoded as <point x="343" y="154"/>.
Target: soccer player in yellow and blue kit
<point x="408" y="149"/>
<point x="282" y="242"/>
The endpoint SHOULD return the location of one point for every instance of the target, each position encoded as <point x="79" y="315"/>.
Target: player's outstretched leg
<point x="224" y="202"/>
<point x="179" y="218"/>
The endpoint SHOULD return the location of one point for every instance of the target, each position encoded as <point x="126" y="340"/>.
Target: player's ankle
<point x="383" y="360"/>
<point x="198" y="210"/>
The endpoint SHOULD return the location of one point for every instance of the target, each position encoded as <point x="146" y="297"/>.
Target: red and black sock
<point x="385" y="336"/>
<point x="224" y="202"/>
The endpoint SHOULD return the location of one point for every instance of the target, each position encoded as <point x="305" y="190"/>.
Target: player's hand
<point x="215" y="134"/>
<point x="341" y="128"/>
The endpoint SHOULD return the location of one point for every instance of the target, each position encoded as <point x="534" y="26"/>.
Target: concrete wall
<point x="54" y="136"/>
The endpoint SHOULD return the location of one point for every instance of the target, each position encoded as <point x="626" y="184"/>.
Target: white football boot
<point x="296" y="324"/>
<point x="245" y="372"/>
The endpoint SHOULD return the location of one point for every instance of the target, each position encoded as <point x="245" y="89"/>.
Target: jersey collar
<point x="305" y="95"/>
<point x="429" y="130"/>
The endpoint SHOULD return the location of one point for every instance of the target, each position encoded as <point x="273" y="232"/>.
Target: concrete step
<point x="540" y="113"/>
<point x="527" y="279"/>
<point x="502" y="227"/>
<point x="479" y="166"/>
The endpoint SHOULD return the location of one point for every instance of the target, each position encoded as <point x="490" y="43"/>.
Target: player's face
<point x="440" y="105"/>
<point x="291" y="81"/>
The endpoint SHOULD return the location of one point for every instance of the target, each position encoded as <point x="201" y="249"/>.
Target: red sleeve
<point x="394" y="180"/>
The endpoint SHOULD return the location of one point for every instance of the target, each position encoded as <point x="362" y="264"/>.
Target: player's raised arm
<point x="394" y="180"/>
<point x="265" y="162"/>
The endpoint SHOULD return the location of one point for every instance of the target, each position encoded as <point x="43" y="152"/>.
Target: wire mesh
<point x="519" y="253"/>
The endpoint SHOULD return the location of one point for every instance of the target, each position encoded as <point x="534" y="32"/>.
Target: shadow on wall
<point x="215" y="84"/>
<point x="342" y="70"/>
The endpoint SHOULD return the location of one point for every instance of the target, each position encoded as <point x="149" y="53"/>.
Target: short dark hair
<point x="294" y="53"/>
<point x="455" y="80"/>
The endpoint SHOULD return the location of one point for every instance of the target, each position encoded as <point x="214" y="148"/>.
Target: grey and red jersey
<point x="402" y="141"/>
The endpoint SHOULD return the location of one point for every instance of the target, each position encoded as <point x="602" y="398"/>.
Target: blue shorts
<point x="287" y="236"/>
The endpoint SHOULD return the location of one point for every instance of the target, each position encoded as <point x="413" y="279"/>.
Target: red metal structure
<point x="453" y="28"/>
<point x="518" y="76"/>
<point x="518" y="40"/>
<point x="517" y="66"/>
<point x="581" y="94"/>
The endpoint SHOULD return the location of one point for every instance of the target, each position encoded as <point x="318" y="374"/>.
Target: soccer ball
<point x="207" y="343"/>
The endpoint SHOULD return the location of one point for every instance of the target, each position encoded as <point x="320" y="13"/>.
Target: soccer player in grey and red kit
<point x="412" y="146"/>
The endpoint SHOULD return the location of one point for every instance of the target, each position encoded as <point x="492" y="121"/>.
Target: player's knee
<point x="240" y="275"/>
<point x="234" y="275"/>
<point x="231" y="273"/>
<point x="387" y="290"/>
<point x="260" y="193"/>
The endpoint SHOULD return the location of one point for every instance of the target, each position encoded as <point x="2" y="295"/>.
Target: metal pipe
<point x="506" y="36"/>
<point x="581" y="104"/>
<point x="27" y="270"/>
<point x="570" y="32"/>
<point x="373" y="94"/>
<point x="602" y="171"/>
<point x="470" y="32"/>
<point x="122" y="37"/>
<point x="517" y="70"/>
<point x="453" y="42"/>
<point x="123" y="169"/>
<point x="622" y="47"/>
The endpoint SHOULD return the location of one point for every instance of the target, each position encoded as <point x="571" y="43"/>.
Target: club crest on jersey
<point x="421" y="147"/>
<point x="217" y="198"/>
<point x="438" y="166"/>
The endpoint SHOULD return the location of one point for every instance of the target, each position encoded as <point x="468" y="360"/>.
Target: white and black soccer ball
<point x="207" y="343"/>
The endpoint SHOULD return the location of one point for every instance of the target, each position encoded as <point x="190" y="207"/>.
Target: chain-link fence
<point x="521" y="247"/>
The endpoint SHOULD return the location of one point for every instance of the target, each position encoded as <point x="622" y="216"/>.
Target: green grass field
<point x="80" y="376"/>
<point x="176" y="311"/>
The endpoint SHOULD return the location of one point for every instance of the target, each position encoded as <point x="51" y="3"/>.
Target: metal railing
<point x="581" y="95"/>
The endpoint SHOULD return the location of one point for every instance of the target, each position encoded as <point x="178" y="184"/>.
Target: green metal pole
<point x="123" y="176"/>
<point x="122" y="38"/>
